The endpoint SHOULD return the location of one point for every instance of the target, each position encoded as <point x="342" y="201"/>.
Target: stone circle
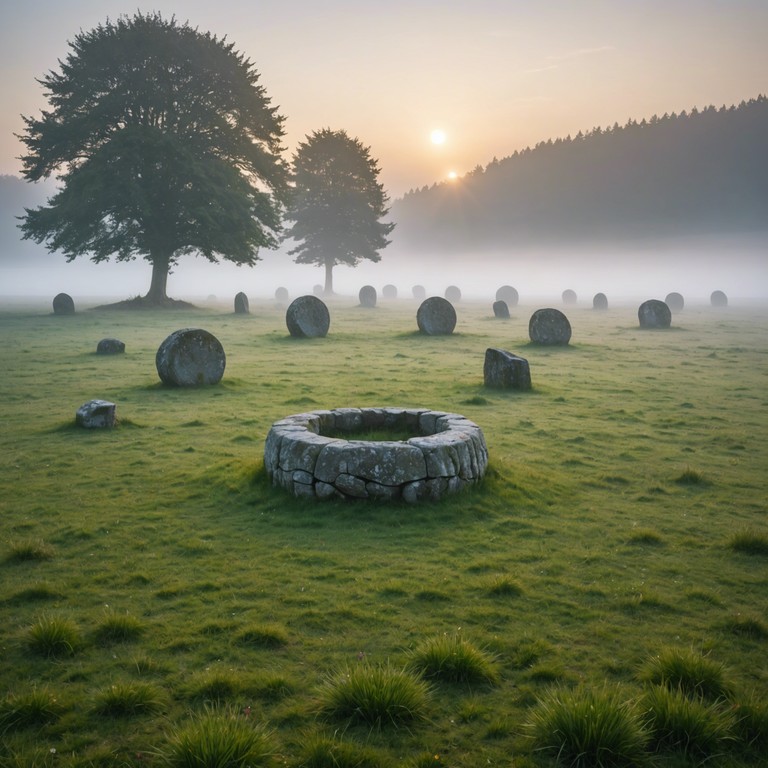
<point x="508" y="294"/>
<point x="654" y="314"/>
<point x="504" y="370"/>
<point x="436" y="316"/>
<point x="96" y="414"/>
<point x="190" y="357"/>
<point x="110" y="347"/>
<point x="446" y="453"/>
<point x="501" y="310"/>
<point x="718" y="299"/>
<point x="242" y="306"/>
<point x="367" y="296"/>
<point x="550" y="327"/>
<point x="307" y="317"/>
<point x="389" y="291"/>
<point x="569" y="296"/>
<point x="453" y="293"/>
<point x="600" y="301"/>
<point x="675" y="301"/>
<point x="63" y="304"/>
<point x="281" y="295"/>
<point x="419" y="292"/>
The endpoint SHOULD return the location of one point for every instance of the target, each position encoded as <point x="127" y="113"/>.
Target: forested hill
<point x="692" y="173"/>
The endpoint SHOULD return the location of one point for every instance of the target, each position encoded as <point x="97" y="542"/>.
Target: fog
<point x="625" y="272"/>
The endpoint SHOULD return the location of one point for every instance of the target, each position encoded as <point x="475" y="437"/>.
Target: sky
<point x="494" y="76"/>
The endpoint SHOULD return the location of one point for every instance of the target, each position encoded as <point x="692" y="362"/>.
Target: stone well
<point x="304" y="454"/>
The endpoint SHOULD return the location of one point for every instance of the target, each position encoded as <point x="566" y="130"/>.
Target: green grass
<point x="179" y="566"/>
<point x="29" y="709"/>
<point x="453" y="659"/>
<point x="129" y="699"/>
<point x="685" y="670"/>
<point x="53" y="637"/>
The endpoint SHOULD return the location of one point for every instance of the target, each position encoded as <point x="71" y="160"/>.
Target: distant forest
<point x="695" y="172"/>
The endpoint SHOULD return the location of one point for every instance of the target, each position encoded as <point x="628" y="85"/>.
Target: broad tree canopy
<point x="164" y="144"/>
<point x="337" y="203"/>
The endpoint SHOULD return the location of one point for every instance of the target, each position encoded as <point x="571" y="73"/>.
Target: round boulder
<point x="419" y="292"/>
<point x="508" y="295"/>
<point x="675" y="301"/>
<point x="453" y="293"/>
<point x="569" y="296"/>
<point x="63" y="304"/>
<point x="599" y="301"/>
<point x="501" y="310"/>
<point x="717" y="299"/>
<point x="281" y="295"/>
<point x="307" y="317"/>
<point x="367" y="296"/>
<point x="549" y="326"/>
<point x="110" y="347"/>
<point x="436" y="317"/>
<point x="389" y="291"/>
<point x="190" y="357"/>
<point x="241" y="304"/>
<point x="654" y="314"/>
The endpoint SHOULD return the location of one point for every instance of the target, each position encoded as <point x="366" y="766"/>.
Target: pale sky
<point x="493" y="75"/>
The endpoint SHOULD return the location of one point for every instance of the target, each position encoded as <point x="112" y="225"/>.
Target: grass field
<point x="152" y="576"/>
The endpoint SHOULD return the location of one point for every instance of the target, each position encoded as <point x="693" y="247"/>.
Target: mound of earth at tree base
<point x="142" y="302"/>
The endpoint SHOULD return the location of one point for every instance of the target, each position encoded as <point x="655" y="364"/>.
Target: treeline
<point x="694" y="172"/>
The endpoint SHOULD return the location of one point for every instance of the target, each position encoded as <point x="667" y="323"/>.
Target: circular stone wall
<point x="307" y="317"/>
<point x="549" y="326"/>
<point x="654" y="314"/>
<point x="446" y="453"/>
<point x="436" y="316"/>
<point x="190" y="357"/>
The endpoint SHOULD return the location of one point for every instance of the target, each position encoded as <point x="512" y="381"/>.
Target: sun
<point x="452" y="175"/>
<point x="438" y="136"/>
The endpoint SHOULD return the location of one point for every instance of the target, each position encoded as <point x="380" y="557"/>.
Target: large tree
<point x="337" y="203"/>
<point x="164" y="144"/>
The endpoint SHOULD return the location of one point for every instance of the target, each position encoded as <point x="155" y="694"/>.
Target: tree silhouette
<point x="337" y="204"/>
<point x="164" y="144"/>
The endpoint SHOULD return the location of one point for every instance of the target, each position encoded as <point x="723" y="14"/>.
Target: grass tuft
<point x="747" y="626"/>
<point x="53" y="637"/>
<point x="586" y="727"/>
<point x="750" y="723"/>
<point x="215" y="687"/>
<point x="129" y="699"/>
<point x="377" y="696"/>
<point x="690" y="476"/>
<point x="452" y="659"/>
<point x="30" y="709"/>
<point x="503" y="586"/>
<point x="319" y="751"/>
<point x="645" y="537"/>
<point x="263" y="636"/>
<point x="118" y="628"/>
<point x="686" y="671"/>
<point x="749" y="542"/>
<point x="29" y="550"/>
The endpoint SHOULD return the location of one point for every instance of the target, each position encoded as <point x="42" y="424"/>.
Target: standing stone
<point x="508" y="295"/>
<point x="504" y="370"/>
<point x="501" y="310"/>
<point x="436" y="317"/>
<point x="599" y="301"/>
<point x="550" y="327"/>
<point x="307" y="317"/>
<point x="453" y="294"/>
<point x="110" y="347"/>
<point x="190" y="357"/>
<point x="419" y="292"/>
<point x="654" y="314"/>
<point x="281" y="295"/>
<point x="241" y="304"/>
<point x="96" y="414"/>
<point x="318" y="290"/>
<point x="367" y="296"/>
<point x="63" y="304"/>
<point x="675" y="302"/>
<point x="569" y="296"/>
<point x="717" y="299"/>
<point x="389" y="292"/>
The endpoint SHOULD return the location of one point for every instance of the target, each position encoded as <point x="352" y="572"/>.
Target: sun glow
<point x="438" y="136"/>
<point x="452" y="175"/>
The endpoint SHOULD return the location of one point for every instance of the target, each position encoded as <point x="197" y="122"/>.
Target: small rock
<point x="96" y="414"/>
<point x="110" y="347"/>
<point x="504" y="370"/>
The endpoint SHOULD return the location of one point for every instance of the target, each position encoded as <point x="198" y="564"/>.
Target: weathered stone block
<point x="96" y="414"/>
<point x="190" y="357"/>
<point x="242" y="306"/>
<point x="63" y="304"/>
<point x="654" y="314"/>
<point x="550" y="327"/>
<point x="436" y="317"/>
<point x="501" y="310"/>
<point x="505" y="370"/>
<point x="110" y="347"/>
<point x="367" y="296"/>
<point x="308" y="317"/>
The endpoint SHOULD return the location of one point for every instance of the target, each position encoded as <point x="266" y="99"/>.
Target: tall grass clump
<point x="686" y="671"/>
<point x="118" y="628"/>
<point x="750" y="723"/>
<point x="25" y="550"/>
<point x="30" y="709"/>
<point x="267" y="636"/>
<point x="53" y="637"/>
<point x="319" y="751"/>
<point x="587" y="727"/>
<point x="690" y="476"/>
<point x="452" y="659"/>
<point x="749" y="542"/>
<point x="217" y="739"/>
<point x="680" y="723"/>
<point x="377" y="696"/>
<point x="129" y="699"/>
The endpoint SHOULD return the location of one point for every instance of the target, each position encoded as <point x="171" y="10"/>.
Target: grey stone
<point x="190" y="357"/>
<point x="654" y="314"/>
<point x="318" y="290"/>
<point x="281" y="295"/>
<point x="63" y="304"/>
<point x="110" y="347"/>
<point x="419" y="292"/>
<point x="569" y="296"/>
<point x="675" y="301"/>
<point x="550" y="327"/>
<point x="241" y="304"/>
<point x="96" y="414"/>
<point x="501" y="310"/>
<point x="600" y="301"/>
<point x="367" y="296"/>
<point x="718" y="299"/>
<point x="505" y="370"/>
<point x="508" y="295"/>
<point x="436" y="317"/>
<point x="453" y="294"/>
<point x="308" y="317"/>
<point x="389" y="292"/>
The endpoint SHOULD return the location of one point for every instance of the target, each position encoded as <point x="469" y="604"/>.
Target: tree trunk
<point x="157" y="288"/>
<point x="328" y="278"/>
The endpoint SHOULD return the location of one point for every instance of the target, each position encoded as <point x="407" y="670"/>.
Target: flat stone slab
<point x="549" y="326"/>
<point x="96" y="414"/>
<point x="446" y="453"/>
<point x="505" y="370"/>
<point x="110" y="347"/>
<point x="654" y="313"/>
<point x="190" y="357"/>
<point x="63" y="304"/>
<point x="307" y="317"/>
<point x="436" y="316"/>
